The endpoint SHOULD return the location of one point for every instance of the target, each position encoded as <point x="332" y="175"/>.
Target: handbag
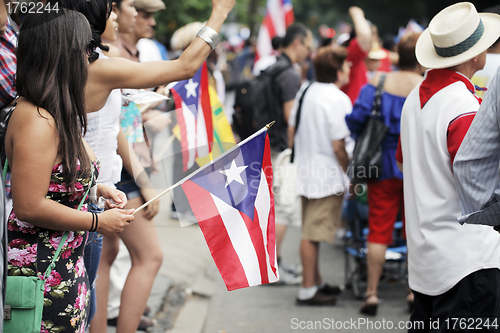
<point x="24" y="296"/>
<point x="367" y="157"/>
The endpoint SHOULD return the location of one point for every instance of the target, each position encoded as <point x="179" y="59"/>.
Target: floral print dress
<point x="30" y="250"/>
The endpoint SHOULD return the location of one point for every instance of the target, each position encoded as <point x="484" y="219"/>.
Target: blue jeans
<point x="91" y="259"/>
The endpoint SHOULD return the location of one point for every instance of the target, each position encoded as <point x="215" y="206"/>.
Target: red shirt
<point x="357" y="78"/>
<point x="385" y="64"/>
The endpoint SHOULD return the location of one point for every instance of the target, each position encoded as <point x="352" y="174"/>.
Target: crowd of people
<point x="65" y="72"/>
<point x="65" y="81"/>
<point x="428" y="102"/>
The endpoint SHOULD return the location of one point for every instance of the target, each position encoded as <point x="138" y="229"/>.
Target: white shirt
<point x="441" y="252"/>
<point x="148" y="51"/>
<point x="103" y="127"/>
<point x="322" y="121"/>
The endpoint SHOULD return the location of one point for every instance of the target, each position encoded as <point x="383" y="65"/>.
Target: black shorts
<point x="472" y="305"/>
<point x="128" y="186"/>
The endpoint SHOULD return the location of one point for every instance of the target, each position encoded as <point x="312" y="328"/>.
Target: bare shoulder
<point x="32" y="130"/>
<point x="376" y="78"/>
<point x="401" y="83"/>
<point x="110" y="71"/>
<point x="29" y="117"/>
<point x="113" y="51"/>
<point x="89" y="150"/>
<point x="416" y="78"/>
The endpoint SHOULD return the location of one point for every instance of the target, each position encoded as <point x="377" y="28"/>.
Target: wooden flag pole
<point x="156" y="197"/>
<point x="202" y="168"/>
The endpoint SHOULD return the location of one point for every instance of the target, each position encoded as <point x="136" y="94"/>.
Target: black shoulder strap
<point x="275" y="70"/>
<point x="297" y="119"/>
<point x="378" y="96"/>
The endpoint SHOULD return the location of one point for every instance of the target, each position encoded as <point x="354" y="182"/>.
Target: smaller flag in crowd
<point x="233" y="202"/>
<point x="279" y="15"/>
<point x="223" y="137"/>
<point x="412" y="26"/>
<point x="194" y="116"/>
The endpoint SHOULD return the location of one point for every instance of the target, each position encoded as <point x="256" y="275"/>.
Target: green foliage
<point x="180" y="13"/>
<point x="388" y="15"/>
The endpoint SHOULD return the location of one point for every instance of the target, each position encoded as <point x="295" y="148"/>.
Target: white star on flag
<point x="191" y="88"/>
<point x="233" y="173"/>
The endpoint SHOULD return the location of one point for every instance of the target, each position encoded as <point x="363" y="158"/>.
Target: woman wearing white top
<point x="102" y="132"/>
<point x="106" y="75"/>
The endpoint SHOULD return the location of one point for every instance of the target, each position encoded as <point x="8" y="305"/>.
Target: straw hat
<point x="149" y="6"/>
<point x="183" y="36"/>
<point x="376" y="52"/>
<point x="455" y="35"/>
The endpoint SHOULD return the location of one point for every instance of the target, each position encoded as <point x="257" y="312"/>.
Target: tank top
<point x="103" y="127"/>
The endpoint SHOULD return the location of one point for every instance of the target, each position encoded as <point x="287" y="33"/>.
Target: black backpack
<point x="257" y="103"/>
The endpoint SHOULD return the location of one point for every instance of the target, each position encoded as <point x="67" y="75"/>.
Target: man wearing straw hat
<point x="453" y="269"/>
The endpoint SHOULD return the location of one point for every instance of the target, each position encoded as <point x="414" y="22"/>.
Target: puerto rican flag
<point x="279" y="15"/>
<point x="233" y="202"/>
<point x="194" y="116"/>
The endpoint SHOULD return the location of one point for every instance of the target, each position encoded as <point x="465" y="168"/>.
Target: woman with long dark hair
<point x="52" y="166"/>
<point x="105" y="75"/>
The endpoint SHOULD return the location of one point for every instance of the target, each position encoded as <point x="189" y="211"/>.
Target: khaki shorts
<point x="321" y="218"/>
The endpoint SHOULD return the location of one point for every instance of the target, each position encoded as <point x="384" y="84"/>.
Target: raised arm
<point x="361" y="27"/>
<point x="113" y="73"/>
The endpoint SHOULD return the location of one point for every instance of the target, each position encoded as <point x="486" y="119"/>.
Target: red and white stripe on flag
<point x="233" y="203"/>
<point x="194" y="116"/>
<point x="279" y="15"/>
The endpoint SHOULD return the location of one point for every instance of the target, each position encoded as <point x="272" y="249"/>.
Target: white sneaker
<point x="287" y="278"/>
<point x="340" y="234"/>
<point x="295" y="269"/>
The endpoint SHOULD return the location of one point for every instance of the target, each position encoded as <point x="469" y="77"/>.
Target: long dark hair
<point x="52" y="73"/>
<point x="97" y="12"/>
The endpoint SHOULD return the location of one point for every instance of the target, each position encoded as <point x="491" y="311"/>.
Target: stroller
<point x="355" y="249"/>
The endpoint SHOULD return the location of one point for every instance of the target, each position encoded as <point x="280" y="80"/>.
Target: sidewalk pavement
<point x="189" y="295"/>
<point x="181" y="281"/>
<point x="185" y="261"/>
